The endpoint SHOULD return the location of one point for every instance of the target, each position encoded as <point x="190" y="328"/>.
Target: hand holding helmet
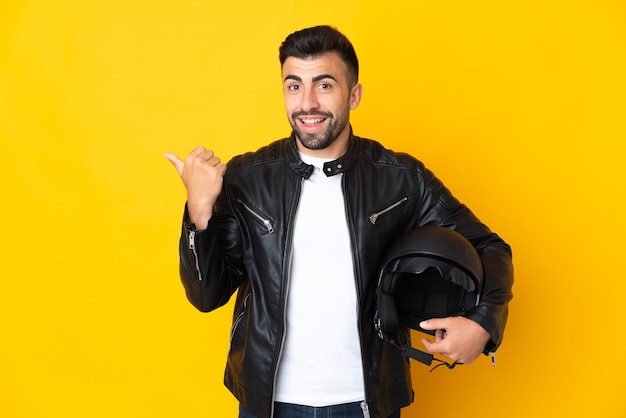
<point x="429" y="279"/>
<point x="458" y="338"/>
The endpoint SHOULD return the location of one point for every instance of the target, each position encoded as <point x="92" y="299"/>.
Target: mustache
<point x="295" y="115"/>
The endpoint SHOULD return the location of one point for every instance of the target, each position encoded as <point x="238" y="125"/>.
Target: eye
<point x="325" y="86"/>
<point x="293" y="87"/>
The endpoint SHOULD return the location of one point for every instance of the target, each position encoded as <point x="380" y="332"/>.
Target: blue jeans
<point x="285" y="410"/>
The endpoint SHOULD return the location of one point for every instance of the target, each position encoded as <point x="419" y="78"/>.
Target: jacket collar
<point x="340" y="165"/>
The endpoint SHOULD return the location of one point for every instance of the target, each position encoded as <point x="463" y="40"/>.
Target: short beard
<point x="330" y="135"/>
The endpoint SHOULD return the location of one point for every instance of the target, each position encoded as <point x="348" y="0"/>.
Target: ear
<point x="355" y="95"/>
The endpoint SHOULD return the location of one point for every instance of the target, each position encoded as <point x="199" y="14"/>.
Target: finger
<point x="201" y="153"/>
<point x="199" y="150"/>
<point x="433" y="347"/>
<point x="176" y="162"/>
<point x="202" y="156"/>
<point x="214" y="161"/>
<point x="433" y="324"/>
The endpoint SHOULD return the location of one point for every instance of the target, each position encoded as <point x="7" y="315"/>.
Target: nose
<point x="308" y="100"/>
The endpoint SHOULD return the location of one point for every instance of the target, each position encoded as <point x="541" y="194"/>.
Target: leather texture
<point x="246" y="248"/>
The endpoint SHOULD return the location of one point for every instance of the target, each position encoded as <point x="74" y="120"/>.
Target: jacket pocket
<point x="387" y="210"/>
<point x="263" y="219"/>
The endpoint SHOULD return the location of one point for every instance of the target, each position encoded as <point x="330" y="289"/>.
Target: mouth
<point x="310" y="123"/>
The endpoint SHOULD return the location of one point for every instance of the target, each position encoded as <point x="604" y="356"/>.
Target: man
<point x="299" y="229"/>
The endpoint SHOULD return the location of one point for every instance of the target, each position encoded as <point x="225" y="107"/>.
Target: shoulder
<point x="273" y="152"/>
<point x="374" y="152"/>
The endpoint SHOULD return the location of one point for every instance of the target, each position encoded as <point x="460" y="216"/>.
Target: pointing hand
<point x="202" y="174"/>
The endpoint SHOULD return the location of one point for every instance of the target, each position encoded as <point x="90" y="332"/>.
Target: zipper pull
<point x="374" y="216"/>
<point x="493" y="358"/>
<point x="268" y="225"/>
<point x="266" y="222"/>
<point x="192" y="239"/>
<point x="365" y="408"/>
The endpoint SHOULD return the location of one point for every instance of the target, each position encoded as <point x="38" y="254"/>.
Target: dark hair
<point x="318" y="40"/>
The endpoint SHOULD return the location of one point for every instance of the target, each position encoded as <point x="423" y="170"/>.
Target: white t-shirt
<point x="321" y="362"/>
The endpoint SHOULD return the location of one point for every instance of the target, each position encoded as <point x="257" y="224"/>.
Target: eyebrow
<point x="315" y="79"/>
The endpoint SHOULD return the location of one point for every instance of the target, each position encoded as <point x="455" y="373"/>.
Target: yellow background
<point x="518" y="106"/>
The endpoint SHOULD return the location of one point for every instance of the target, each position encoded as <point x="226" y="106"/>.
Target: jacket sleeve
<point x="440" y="207"/>
<point x="209" y="259"/>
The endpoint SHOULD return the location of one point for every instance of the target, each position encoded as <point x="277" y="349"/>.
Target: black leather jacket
<point x="247" y="245"/>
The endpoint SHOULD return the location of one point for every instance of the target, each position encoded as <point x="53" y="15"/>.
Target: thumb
<point x="176" y="162"/>
<point x="432" y="324"/>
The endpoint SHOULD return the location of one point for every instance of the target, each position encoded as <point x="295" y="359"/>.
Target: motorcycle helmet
<point x="430" y="272"/>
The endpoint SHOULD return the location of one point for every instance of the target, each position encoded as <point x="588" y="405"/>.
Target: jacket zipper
<point x="374" y="217"/>
<point x="192" y="247"/>
<point x="266" y="222"/>
<point x="364" y="405"/>
<point x="282" y="341"/>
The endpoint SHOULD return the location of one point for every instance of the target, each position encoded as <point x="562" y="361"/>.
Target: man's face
<point x="318" y="101"/>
